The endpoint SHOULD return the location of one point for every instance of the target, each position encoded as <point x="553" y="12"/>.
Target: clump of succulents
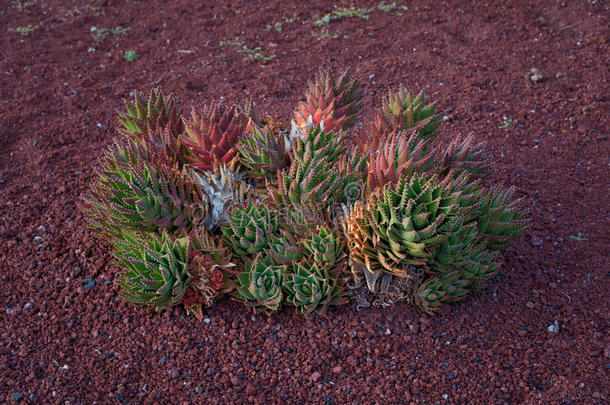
<point x="305" y="215"/>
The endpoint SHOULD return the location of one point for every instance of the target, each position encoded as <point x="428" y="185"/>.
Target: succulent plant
<point x="311" y="287"/>
<point x="500" y="220"/>
<point x="436" y="290"/>
<point x="250" y="229"/>
<point x="398" y="156"/>
<point x="285" y="250"/>
<point x="400" y="227"/>
<point x="324" y="246"/>
<point x="260" y="286"/>
<point x="223" y="188"/>
<point x="400" y="111"/>
<point x="211" y="137"/>
<point x="153" y="114"/>
<point x="333" y="102"/>
<point x="156" y="268"/>
<point x="462" y="154"/>
<point x="211" y="271"/>
<point x="314" y="173"/>
<point x="129" y="194"/>
<point x="264" y="152"/>
<point x="252" y="113"/>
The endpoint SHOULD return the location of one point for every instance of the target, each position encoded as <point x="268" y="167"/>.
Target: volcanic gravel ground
<point x="66" y="337"/>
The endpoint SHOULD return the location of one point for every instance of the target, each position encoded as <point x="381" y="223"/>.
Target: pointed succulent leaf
<point x="399" y="155"/>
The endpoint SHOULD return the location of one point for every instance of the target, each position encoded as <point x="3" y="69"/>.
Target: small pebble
<point x="316" y="376"/>
<point x="536" y="241"/>
<point x="535" y="75"/>
<point x="337" y="369"/>
<point x="88" y="283"/>
<point x="16" y="397"/>
<point x="554" y="327"/>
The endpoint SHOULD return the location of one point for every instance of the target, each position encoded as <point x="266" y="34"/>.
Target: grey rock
<point x="88" y="283"/>
<point x="537" y="241"/>
<point x="16" y="397"/>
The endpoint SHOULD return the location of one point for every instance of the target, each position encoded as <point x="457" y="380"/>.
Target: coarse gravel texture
<point x="538" y="334"/>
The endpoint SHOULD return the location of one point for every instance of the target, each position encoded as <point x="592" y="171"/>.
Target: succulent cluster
<point x="307" y="215"/>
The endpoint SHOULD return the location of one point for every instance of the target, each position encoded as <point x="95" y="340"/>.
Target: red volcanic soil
<point x="66" y="337"/>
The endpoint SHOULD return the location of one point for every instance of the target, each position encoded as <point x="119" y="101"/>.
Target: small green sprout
<point x="324" y="34"/>
<point x="344" y="12"/>
<point x="131" y="56"/>
<point x="25" y="30"/>
<point x="579" y="237"/>
<point x="277" y="26"/>
<point x="292" y="19"/>
<point x="251" y="53"/>
<point x="99" y="33"/>
<point x="23" y="5"/>
<point x="322" y="21"/>
<point x="386" y="8"/>
<point x="93" y="9"/>
<point x="506" y="124"/>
